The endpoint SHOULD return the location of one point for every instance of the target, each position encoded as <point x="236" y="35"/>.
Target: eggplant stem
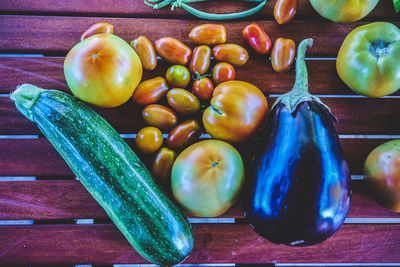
<point x="300" y="93"/>
<point x="301" y="82"/>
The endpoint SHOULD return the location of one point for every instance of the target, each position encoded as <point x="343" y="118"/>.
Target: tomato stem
<point x="379" y="48"/>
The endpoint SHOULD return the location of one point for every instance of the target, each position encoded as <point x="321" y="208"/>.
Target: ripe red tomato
<point x="207" y="177"/>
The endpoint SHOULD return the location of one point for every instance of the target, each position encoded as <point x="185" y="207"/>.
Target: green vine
<point x="157" y="4"/>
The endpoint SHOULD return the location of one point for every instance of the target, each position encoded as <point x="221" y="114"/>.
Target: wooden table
<point x="35" y="37"/>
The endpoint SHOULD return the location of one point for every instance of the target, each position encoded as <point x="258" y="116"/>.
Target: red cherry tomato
<point x="223" y="72"/>
<point x="203" y="88"/>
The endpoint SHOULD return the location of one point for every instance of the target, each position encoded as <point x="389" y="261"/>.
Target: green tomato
<point x="368" y="60"/>
<point x="178" y="76"/>
<point x="207" y="177"/>
<point x="344" y="10"/>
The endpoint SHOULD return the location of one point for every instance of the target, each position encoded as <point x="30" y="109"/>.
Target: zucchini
<point x="111" y="172"/>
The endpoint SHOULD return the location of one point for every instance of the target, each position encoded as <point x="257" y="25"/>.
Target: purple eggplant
<point x="300" y="188"/>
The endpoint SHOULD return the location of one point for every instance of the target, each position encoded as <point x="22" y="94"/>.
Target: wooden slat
<point x="62" y="200"/>
<point x="355" y="116"/>
<point x="51" y="34"/>
<point x="47" y="72"/>
<point x="37" y="157"/>
<point x="218" y="243"/>
<point x="137" y="8"/>
<point x="126" y="118"/>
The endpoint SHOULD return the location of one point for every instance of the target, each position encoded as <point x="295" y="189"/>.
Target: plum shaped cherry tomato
<point x="178" y="76"/>
<point x="150" y="91"/>
<point x="173" y="50"/>
<point x="183" y="101"/>
<point x="231" y="53"/>
<point x="207" y="177"/>
<point x="149" y="140"/>
<point x="101" y="27"/>
<point x="145" y="49"/>
<point x="162" y="165"/>
<point x="285" y="10"/>
<point x="183" y="135"/>
<point x="208" y="34"/>
<point x="282" y="55"/>
<point x="256" y="37"/>
<point x="236" y="111"/>
<point x="159" y="116"/>
<point x="200" y="62"/>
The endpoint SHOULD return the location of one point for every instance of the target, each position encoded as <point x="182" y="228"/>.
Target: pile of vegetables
<point x="299" y="187"/>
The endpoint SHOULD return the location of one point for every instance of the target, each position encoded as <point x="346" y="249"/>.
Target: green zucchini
<point x="111" y="172"/>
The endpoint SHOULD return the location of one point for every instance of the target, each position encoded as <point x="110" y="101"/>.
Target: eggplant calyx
<point x="300" y="93"/>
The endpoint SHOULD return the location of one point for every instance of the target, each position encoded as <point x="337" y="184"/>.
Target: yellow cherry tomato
<point x="149" y="140"/>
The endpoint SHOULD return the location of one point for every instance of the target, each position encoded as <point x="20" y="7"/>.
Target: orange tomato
<point x="149" y="140"/>
<point x="282" y="55"/>
<point x="183" y="101"/>
<point x="173" y="50"/>
<point x="382" y="174"/>
<point x="150" y="91"/>
<point x="101" y="27"/>
<point x="183" y="135"/>
<point x="285" y="10"/>
<point x="209" y="34"/>
<point x="223" y="72"/>
<point x="103" y="70"/>
<point x="145" y="49"/>
<point x="159" y="116"/>
<point x="162" y="165"/>
<point x="200" y="61"/>
<point x="203" y="88"/>
<point x="231" y="53"/>
<point x="236" y="111"/>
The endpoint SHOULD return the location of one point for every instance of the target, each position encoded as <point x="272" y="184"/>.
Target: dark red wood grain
<point x="58" y="34"/>
<point x="54" y="27"/>
<point x="62" y="200"/>
<point x="47" y="72"/>
<point x="214" y="243"/>
<point x="137" y="8"/>
<point x="355" y="116"/>
<point x="37" y="157"/>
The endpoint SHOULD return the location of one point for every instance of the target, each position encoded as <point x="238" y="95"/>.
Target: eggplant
<point x="299" y="192"/>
